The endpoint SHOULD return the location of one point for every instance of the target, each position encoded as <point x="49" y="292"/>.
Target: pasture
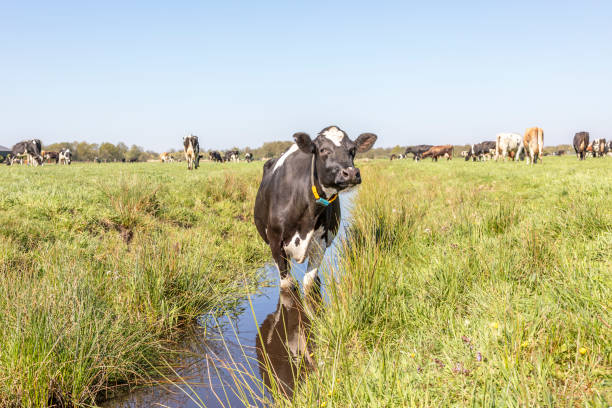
<point x="471" y="284"/>
<point x="459" y="282"/>
<point x="102" y="265"/>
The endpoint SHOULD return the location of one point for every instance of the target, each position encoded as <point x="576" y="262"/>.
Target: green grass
<point x="101" y="266"/>
<point x="471" y="284"/>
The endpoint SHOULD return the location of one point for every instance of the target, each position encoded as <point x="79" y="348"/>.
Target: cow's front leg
<point x="312" y="282"/>
<point x="281" y="261"/>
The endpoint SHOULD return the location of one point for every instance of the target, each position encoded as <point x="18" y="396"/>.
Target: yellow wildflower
<point x="582" y="350"/>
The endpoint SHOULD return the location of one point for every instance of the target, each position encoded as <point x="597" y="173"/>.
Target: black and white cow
<point x="248" y="157"/>
<point x="30" y="148"/>
<point x="65" y="156"/>
<point x="232" y="155"/>
<point x="297" y="210"/>
<point x="192" y="151"/>
<point x="417" y="151"/>
<point x="479" y="150"/>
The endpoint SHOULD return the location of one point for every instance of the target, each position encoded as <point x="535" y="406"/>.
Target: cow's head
<point x="334" y="153"/>
<point x="470" y="153"/>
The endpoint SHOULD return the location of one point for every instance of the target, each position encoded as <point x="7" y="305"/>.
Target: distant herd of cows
<point x="506" y="146"/>
<point x="512" y="146"/>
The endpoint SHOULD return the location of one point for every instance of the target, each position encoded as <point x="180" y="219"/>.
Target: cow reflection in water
<point x="287" y="352"/>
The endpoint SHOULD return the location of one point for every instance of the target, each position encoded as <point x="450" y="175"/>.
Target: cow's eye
<point x="353" y="151"/>
<point x="324" y="151"/>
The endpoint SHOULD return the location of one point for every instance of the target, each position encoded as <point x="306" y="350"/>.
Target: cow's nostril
<point x="357" y="174"/>
<point x="345" y="174"/>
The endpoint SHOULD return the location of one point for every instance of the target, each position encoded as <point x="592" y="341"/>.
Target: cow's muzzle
<point x="348" y="176"/>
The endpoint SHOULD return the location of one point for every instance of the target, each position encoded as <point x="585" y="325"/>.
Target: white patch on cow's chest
<point x="335" y="135"/>
<point x="297" y="247"/>
<point x="294" y="148"/>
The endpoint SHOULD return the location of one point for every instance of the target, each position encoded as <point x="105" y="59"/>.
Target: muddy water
<point x="227" y="351"/>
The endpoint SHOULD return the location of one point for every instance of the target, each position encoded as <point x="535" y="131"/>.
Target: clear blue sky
<point x="241" y="73"/>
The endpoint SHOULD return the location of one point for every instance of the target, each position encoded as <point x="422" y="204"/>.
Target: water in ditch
<point x="223" y="365"/>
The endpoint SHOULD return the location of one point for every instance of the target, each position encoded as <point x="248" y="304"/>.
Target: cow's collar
<point x="319" y="199"/>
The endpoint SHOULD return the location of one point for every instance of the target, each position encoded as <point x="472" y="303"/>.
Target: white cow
<point x="506" y="143"/>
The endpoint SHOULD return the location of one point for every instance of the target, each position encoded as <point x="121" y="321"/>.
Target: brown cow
<point x="166" y="157"/>
<point x="439" y="151"/>
<point x="533" y="143"/>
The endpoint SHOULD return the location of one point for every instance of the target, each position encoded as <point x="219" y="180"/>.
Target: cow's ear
<point x="303" y="141"/>
<point x="365" y="141"/>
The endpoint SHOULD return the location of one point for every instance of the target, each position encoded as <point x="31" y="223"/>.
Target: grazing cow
<point x="30" y="148"/>
<point x="65" y="156"/>
<point x="533" y="143"/>
<point x="297" y="210"/>
<point x="559" y="152"/>
<point x="50" y="155"/>
<point x="215" y="156"/>
<point x="232" y="155"/>
<point x="393" y="157"/>
<point x="581" y="143"/>
<point x="479" y="151"/>
<point x="417" y="151"/>
<point x="192" y="151"/>
<point x="464" y="153"/>
<point x="248" y="157"/>
<point x="283" y="344"/>
<point x="508" y="144"/>
<point x="439" y="151"/>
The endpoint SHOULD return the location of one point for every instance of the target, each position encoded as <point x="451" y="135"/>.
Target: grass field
<point x="471" y="284"/>
<point x="482" y="284"/>
<point x="101" y="266"/>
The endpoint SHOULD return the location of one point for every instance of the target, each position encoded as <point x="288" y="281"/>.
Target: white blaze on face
<point x="294" y="148"/>
<point x="335" y="135"/>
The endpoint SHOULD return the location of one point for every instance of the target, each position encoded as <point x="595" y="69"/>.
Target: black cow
<point x="248" y="157"/>
<point x="478" y="150"/>
<point x="297" y="210"/>
<point x="215" y="156"/>
<point x="192" y="151"/>
<point x="581" y="142"/>
<point x="417" y="151"/>
<point x="30" y="148"/>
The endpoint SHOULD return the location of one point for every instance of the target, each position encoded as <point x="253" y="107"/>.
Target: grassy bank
<point x="485" y="284"/>
<point x="100" y="266"/>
